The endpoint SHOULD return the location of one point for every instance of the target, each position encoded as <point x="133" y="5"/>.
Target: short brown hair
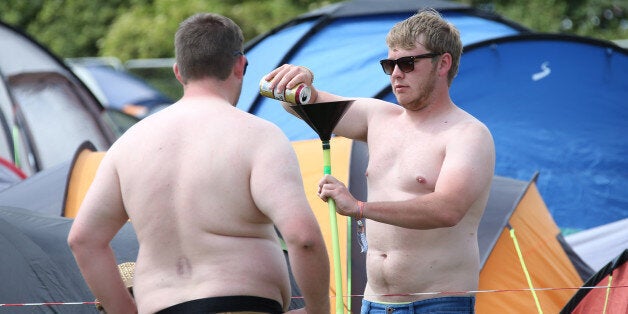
<point x="206" y="45"/>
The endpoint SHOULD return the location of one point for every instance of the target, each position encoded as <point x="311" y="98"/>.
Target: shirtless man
<point x="203" y="184"/>
<point x="429" y="172"/>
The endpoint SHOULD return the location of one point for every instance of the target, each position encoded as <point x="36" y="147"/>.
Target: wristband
<point x="360" y="210"/>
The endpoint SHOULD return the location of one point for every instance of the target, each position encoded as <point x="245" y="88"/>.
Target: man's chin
<point x="412" y="106"/>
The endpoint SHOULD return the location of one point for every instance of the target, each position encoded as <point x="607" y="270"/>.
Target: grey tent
<point x="46" y="111"/>
<point x="38" y="267"/>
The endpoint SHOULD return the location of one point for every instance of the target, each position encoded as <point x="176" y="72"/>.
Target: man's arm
<point x="100" y="217"/>
<point x="354" y="123"/>
<point x="278" y="192"/>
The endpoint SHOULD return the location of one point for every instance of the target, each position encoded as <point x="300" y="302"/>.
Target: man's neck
<point x="435" y="109"/>
<point x="210" y="88"/>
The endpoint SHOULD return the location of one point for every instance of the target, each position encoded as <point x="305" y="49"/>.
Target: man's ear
<point x="175" y="69"/>
<point x="445" y="64"/>
<point x="240" y="66"/>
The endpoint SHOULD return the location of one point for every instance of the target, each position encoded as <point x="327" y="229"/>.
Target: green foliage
<point x="130" y="29"/>
<point x="151" y="29"/>
<point x="602" y="19"/>
<point x="72" y="28"/>
<point x="19" y="13"/>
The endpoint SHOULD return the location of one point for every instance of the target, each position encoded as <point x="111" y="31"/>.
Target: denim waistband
<point x="433" y="305"/>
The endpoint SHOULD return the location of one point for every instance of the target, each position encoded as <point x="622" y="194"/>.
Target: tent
<point x="119" y="89"/>
<point x="9" y="173"/>
<point x="38" y="267"/>
<point x="599" y="245"/>
<point x="45" y="110"/>
<point x="605" y="292"/>
<point x="550" y="112"/>
<point x="526" y="265"/>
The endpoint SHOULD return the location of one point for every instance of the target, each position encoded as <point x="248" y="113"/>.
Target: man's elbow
<point x="306" y="241"/>
<point x="451" y="218"/>
<point x="74" y="242"/>
<point x="78" y="242"/>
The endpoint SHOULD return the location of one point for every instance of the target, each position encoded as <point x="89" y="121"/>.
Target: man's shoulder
<point x="259" y="123"/>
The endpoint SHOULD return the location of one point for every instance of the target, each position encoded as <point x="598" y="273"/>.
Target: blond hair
<point x="428" y="28"/>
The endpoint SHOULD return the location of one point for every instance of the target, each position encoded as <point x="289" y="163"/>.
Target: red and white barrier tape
<point x="48" y="303"/>
<point x="359" y="295"/>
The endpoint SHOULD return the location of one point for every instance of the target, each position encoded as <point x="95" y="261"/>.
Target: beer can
<point x="299" y="95"/>
<point x="264" y="89"/>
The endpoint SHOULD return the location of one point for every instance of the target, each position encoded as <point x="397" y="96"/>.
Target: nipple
<point x="421" y="179"/>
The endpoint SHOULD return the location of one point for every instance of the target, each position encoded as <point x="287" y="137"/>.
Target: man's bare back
<point x="204" y="185"/>
<point x="217" y="230"/>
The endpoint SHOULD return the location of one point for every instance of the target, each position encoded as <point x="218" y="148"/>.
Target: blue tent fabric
<point x="557" y="105"/>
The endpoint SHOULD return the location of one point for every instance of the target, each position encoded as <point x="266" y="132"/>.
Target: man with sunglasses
<point x="429" y="174"/>
<point x="204" y="185"/>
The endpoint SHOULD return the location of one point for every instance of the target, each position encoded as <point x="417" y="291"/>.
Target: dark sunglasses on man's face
<point x="405" y="64"/>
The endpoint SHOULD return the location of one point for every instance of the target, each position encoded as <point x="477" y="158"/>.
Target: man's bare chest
<point x="409" y="163"/>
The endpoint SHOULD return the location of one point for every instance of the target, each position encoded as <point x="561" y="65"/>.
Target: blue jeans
<point x="444" y="305"/>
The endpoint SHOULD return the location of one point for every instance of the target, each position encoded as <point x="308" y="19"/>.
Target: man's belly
<point x="409" y="265"/>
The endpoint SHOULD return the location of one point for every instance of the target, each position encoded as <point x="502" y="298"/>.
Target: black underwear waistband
<point x="225" y="304"/>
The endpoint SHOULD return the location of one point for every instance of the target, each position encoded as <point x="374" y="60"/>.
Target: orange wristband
<point x="360" y="210"/>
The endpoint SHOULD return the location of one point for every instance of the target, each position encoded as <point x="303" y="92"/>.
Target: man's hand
<point x="346" y="204"/>
<point x="288" y="76"/>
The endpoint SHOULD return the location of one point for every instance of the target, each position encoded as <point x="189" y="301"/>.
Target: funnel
<point x="322" y="118"/>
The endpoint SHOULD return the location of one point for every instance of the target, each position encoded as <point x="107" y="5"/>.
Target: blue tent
<point x="556" y="105"/>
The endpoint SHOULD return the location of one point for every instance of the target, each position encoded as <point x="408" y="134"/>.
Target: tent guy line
<point x="360" y="295"/>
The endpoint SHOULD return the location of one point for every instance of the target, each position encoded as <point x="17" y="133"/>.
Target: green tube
<point x="334" y="233"/>
<point x="16" y="148"/>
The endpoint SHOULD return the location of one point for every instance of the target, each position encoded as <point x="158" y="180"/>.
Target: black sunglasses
<point x="405" y="64"/>
<point x="240" y="53"/>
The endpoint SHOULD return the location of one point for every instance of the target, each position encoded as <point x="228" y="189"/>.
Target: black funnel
<point x="322" y="117"/>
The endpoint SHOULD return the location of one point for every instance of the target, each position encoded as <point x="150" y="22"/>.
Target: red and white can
<point x="298" y="95"/>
